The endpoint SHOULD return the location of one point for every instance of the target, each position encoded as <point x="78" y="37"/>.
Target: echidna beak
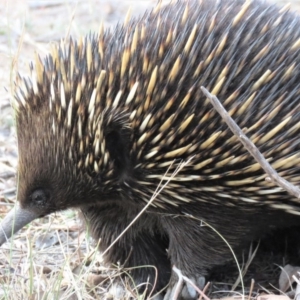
<point x="14" y="221"/>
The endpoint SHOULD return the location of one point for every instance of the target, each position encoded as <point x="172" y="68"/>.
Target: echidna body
<point x="103" y="123"/>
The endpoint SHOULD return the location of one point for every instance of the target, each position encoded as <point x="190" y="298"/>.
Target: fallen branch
<point x="249" y="145"/>
<point x="179" y="285"/>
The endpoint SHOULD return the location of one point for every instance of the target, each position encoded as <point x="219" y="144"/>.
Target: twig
<point x="182" y="278"/>
<point x="204" y="290"/>
<point x="179" y="285"/>
<point x="251" y="288"/>
<point x="249" y="145"/>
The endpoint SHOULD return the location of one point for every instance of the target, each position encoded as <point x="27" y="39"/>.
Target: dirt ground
<point x="42" y="248"/>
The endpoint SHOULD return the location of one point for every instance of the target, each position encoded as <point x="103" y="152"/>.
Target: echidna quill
<point x="104" y="121"/>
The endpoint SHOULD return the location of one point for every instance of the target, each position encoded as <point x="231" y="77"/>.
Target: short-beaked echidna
<point x="104" y="121"/>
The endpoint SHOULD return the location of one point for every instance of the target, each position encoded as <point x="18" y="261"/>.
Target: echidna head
<point x="73" y="152"/>
<point x="61" y="168"/>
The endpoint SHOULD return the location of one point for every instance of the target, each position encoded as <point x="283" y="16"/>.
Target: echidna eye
<point x="39" y="197"/>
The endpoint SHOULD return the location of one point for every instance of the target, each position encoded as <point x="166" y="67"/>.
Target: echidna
<point x="104" y="121"/>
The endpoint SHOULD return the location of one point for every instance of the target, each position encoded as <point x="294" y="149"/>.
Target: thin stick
<point x="251" y="288"/>
<point x="187" y="280"/>
<point x="253" y="150"/>
<point x="204" y="290"/>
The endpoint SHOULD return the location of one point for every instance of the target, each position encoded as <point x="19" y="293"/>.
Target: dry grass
<point x="52" y="258"/>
